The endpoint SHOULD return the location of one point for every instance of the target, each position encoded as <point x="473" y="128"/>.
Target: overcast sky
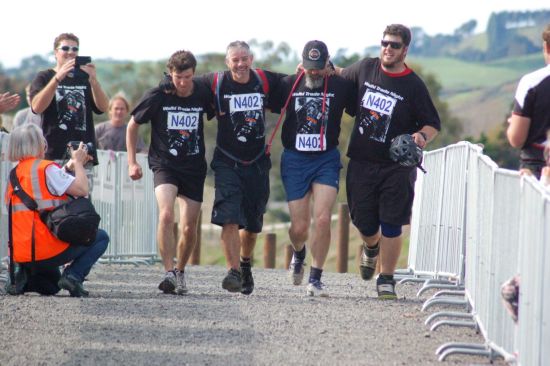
<point x="155" y="29"/>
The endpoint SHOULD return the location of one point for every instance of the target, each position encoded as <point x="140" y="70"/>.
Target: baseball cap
<point x="315" y="55"/>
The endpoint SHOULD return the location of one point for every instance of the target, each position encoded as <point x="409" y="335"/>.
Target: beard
<point x="313" y="81"/>
<point x="394" y="63"/>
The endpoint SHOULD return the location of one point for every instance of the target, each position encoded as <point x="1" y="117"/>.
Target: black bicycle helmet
<point x="405" y="151"/>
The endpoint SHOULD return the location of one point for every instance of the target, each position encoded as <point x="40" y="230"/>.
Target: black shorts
<point x="190" y="184"/>
<point x="379" y="192"/>
<point x="241" y="193"/>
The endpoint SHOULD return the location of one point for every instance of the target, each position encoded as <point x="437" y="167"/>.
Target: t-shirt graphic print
<point x="182" y="127"/>
<point x="71" y="107"/>
<point x="246" y="112"/>
<point x="310" y="118"/>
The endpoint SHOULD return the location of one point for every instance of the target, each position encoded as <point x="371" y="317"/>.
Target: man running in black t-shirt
<point x="241" y="167"/>
<point x="310" y="164"/>
<point x="177" y="159"/>
<point x="392" y="100"/>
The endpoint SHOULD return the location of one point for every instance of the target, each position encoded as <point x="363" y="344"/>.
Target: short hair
<point x="238" y="44"/>
<point x="64" y="37"/>
<point x="546" y="35"/>
<point x="181" y="61"/>
<point x="26" y="141"/>
<point x="121" y="97"/>
<point x="399" y="30"/>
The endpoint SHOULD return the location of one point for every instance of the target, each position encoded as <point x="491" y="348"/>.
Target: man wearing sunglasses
<point x="66" y="96"/>
<point x="392" y="100"/>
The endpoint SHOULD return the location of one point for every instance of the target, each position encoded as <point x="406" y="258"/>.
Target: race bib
<point x="187" y="121"/>
<point x="245" y="102"/>
<point x="306" y="142"/>
<point x="379" y="102"/>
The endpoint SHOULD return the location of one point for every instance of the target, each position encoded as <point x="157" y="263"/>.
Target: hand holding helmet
<point x="406" y="152"/>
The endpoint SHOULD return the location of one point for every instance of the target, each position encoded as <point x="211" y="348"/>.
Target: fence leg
<point x="196" y="254"/>
<point x="270" y="245"/>
<point x="288" y="255"/>
<point x="342" y="248"/>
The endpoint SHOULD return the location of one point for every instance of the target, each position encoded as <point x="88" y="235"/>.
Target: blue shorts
<point x="299" y="171"/>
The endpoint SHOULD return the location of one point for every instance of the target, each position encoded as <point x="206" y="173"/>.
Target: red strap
<point x="214" y="82"/>
<point x="268" y="147"/>
<point x="265" y="83"/>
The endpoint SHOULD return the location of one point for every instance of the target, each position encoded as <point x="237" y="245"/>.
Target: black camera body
<point x="82" y="60"/>
<point x="75" y="144"/>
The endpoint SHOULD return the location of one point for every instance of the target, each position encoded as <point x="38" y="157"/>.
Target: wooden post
<point x="342" y="246"/>
<point x="196" y="254"/>
<point x="270" y="246"/>
<point x="288" y="255"/>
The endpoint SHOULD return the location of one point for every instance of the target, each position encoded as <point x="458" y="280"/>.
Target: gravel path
<point x="127" y="321"/>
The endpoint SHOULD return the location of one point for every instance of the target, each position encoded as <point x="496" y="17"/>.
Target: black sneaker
<point x="386" y="289"/>
<point x="248" y="280"/>
<point x="233" y="282"/>
<point x="73" y="285"/>
<point x="296" y="269"/>
<point x="168" y="283"/>
<point x="369" y="256"/>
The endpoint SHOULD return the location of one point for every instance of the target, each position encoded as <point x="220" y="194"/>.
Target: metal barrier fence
<point x="489" y="224"/>
<point x="5" y="167"/>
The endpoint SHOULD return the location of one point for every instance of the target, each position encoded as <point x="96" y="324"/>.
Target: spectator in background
<point x="530" y="117"/>
<point x="8" y="101"/>
<point x="111" y="134"/>
<point x="26" y="115"/>
<point x="66" y="96"/>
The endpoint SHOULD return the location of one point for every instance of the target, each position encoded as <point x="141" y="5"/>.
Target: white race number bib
<point x="379" y="102"/>
<point x="305" y="142"/>
<point x="245" y="102"/>
<point x="187" y="121"/>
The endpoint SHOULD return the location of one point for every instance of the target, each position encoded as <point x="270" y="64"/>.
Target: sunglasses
<point x="68" y="48"/>
<point x="394" y="45"/>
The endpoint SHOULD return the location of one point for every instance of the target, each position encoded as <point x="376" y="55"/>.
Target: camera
<point x="75" y="144"/>
<point x="82" y="60"/>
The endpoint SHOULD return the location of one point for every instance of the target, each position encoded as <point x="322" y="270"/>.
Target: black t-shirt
<point x="304" y="115"/>
<point x="177" y="133"/>
<point x="69" y="116"/>
<point x="388" y="105"/>
<point x="241" y="120"/>
<point x="532" y="100"/>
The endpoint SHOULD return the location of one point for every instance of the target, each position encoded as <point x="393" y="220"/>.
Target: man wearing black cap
<point x="310" y="164"/>
<point x="392" y="100"/>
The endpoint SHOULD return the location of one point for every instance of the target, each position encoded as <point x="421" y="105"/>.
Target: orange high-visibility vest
<point x="31" y="173"/>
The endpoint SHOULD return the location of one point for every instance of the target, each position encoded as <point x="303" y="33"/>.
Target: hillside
<point x="480" y="94"/>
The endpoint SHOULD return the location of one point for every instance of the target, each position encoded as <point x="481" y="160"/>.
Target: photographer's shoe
<point x="73" y="285"/>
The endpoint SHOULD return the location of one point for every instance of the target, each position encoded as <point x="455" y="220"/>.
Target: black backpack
<point x="75" y="222"/>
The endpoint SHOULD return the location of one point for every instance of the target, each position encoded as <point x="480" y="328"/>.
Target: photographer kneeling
<point x="36" y="250"/>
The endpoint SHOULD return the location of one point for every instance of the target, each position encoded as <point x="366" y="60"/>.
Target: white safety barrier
<point x="5" y="167"/>
<point x="502" y="224"/>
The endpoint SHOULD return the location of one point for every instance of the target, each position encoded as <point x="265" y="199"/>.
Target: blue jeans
<point x="83" y="258"/>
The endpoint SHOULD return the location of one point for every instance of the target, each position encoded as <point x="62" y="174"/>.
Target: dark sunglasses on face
<point x="394" y="45"/>
<point x="68" y="48"/>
